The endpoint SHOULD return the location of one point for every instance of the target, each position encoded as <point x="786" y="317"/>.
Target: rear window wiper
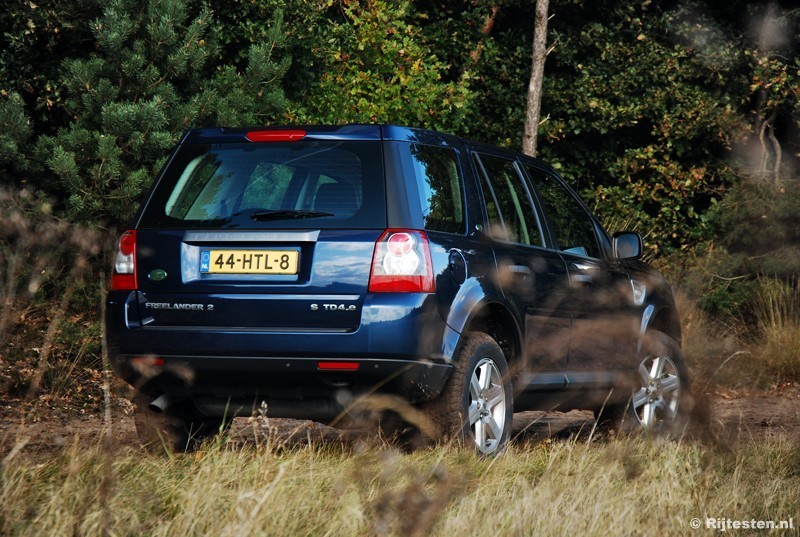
<point x="260" y="216"/>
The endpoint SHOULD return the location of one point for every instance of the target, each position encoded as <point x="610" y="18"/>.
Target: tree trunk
<point x="538" y="57"/>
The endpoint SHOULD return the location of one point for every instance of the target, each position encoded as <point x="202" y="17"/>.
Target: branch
<point x="777" y="146"/>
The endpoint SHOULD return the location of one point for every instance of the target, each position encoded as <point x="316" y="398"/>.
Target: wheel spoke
<point x="494" y="396"/>
<point x="648" y="415"/>
<point x="480" y="434"/>
<point x="473" y="414"/>
<point x="486" y="375"/>
<point x="670" y="384"/>
<point x="474" y="387"/>
<point x="644" y="373"/>
<point x="639" y="399"/>
<point x="658" y="367"/>
<point x="494" y="427"/>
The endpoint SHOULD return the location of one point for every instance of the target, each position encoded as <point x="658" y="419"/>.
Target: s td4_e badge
<point x="333" y="307"/>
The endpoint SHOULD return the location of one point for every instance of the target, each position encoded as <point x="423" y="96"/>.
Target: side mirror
<point x="628" y="245"/>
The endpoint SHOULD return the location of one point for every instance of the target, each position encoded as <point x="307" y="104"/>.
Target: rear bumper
<point x="398" y="349"/>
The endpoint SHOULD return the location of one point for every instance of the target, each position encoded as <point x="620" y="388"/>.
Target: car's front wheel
<point x="476" y="406"/>
<point x="660" y="399"/>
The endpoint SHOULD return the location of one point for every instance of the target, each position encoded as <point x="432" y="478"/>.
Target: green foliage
<point x="757" y="246"/>
<point x="375" y="66"/>
<point x="642" y="102"/>
<point x="36" y="38"/>
<point x="757" y="223"/>
<point x="15" y="129"/>
<point x="646" y="122"/>
<point x="154" y="75"/>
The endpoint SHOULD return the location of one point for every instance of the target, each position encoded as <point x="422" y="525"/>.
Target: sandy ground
<point x="732" y="418"/>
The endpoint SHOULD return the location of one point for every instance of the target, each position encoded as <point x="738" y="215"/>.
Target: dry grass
<point x="718" y="356"/>
<point x="778" y="311"/>
<point x="750" y="357"/>
<point x="623" y="487"/>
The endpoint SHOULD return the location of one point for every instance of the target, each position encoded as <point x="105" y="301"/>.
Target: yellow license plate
<point x="249" y="261"/>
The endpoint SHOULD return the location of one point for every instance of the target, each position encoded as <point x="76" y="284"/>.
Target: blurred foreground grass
<point x="626" y="486"/>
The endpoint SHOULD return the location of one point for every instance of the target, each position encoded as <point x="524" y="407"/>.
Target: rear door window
<point x="508" y="201"/>
<point x="246" y="185"/>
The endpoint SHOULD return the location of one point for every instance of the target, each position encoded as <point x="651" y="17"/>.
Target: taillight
<point x="283" y="135"/>
<point x="124" y="276"/>
<point x="337" y="366"/>
<point x="402" y="263"/>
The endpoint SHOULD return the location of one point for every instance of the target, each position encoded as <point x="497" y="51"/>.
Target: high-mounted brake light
<point x="124" y="276"/>
<point x="402" y="263"/>
<point x="293" y="135"/>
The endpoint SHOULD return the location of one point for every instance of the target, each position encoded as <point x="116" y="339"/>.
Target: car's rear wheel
<point x="476" y="406"/>
<point x="660" y="399"/>
<point x="178" y="428"/>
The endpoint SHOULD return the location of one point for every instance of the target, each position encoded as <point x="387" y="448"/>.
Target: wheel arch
<point x="495" y="320"/>
<point x="663" y="319"/>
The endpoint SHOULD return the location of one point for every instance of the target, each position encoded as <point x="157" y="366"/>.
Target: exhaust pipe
<point x="160" y="403"/>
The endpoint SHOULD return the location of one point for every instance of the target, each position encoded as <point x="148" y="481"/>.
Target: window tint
<point x="572" y="225"/>
<point x="222" y="185"/>
<point x="441" y="199"/>
<point x="516" y="214"/>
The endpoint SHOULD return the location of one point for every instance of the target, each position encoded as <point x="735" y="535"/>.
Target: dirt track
<point x="732" y="419"/>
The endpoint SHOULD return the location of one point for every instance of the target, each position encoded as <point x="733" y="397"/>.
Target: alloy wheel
<point x="487" y="405"/>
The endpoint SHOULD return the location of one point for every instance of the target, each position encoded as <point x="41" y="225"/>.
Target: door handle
<point x="520" y="270"/>
<point x="580" y="278"/>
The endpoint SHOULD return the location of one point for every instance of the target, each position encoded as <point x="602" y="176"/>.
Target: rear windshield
<point x="330" y="184"/>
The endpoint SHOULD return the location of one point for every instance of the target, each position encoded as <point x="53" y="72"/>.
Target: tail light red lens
<point x="153" y="361"/>
<point x="124" y="276"/>
<point x="402" y="263"/>
<point x="337" y="366"/>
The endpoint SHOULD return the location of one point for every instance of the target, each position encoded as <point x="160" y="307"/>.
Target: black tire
<point x="179" y="428"/>
<point x="660" y="402"/>
<point x="490" y="426"/>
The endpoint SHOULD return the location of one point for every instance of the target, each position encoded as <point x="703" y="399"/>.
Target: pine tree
<point x="15" y="129"/>
<point x="155" y="74"/>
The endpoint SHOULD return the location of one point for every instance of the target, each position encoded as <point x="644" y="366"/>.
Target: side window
<point x="572" y="225"/>
<point x="200" y="187"/>
<point x="441" y="199"/>
<point x="507" y="200"/>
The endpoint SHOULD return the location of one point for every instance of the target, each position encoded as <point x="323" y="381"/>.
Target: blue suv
<point x="310" y="268"/>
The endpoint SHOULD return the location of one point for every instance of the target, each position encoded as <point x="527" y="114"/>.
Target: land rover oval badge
<point x="157" y="275"/>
